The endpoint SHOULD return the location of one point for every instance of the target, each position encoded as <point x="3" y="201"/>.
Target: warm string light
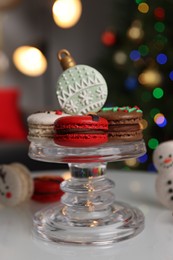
<point x="135" y="32"/>
<point x="143" y="8"/>
<point x="30" y="61"/>
<point x="150" y="78"/>
<point x="120" y="58"/>
<point x="131" y="162"/>
<point x="66" y="13"/>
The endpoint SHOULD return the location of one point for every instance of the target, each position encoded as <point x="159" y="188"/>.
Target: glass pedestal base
<point x="88" y="213"/>
<point x="122" y="222"/>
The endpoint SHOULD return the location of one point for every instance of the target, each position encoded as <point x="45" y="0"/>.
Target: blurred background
<point x="129" y="42"/>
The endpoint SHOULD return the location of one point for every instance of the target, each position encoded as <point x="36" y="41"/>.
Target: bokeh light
<point x="139" y="1"/>
<point x="66" y="13"/>
<point x="108" y="38"/>
<point x="120" y="57"/>
<point x="135" y="32"/>
<point x="160" y="120"/>
<point x="159" y="27"/>
<point x="158" y="93"/>
<point x="159" y="13"/>
<point x="143" y="158"/>
<point x="171" y="75"/>
<point x="153" y="143"/>
<point x="144" y="124"/>
<point x="131" y="83"/>
<point x="131" y="162"/>
<point x="143" y="8"/>
<point x="150" y="78"/>
<point x="135" y="55"/>
<point x="30" y="61"/>
<point x="143" y="49"/>
<point x="161" y="58"/>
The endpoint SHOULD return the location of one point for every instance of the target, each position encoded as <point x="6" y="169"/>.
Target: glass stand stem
<point x="88" y="212"/>
<point x="88" y="194"/>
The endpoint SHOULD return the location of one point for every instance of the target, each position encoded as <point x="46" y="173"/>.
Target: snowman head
<point x="163" y="157"/>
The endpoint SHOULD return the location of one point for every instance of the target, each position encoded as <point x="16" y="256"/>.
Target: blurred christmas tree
<point x="138" y="67"/>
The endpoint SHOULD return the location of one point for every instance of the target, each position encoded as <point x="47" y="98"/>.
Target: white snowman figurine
<point x="163" y="162"/>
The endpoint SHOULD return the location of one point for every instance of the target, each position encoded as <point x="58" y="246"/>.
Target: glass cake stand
<point x="88" y="213"/>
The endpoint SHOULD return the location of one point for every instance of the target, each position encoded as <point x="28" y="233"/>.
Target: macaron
<point x="47" y="189"/>
<point x="124" y="123"/>
<point x="16" y="184"/>
<point x="80" y="131"/>
<point x="41" y="125"/>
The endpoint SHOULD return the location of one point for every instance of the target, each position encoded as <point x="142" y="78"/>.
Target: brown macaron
<point x="124" y="123"/>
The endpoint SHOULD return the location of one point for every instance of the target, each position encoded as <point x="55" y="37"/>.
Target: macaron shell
<point x="49" y="198"/>
<point x="45" y="118"/>
<point x="80" y="140"/>
<point x="128" y="136"/>
<point x="121" y="113"/>
<point x="81" y="122"/>
<point x="27" y="179"/>
<point x="47" y="188"/>
<point x="11" y="186"/>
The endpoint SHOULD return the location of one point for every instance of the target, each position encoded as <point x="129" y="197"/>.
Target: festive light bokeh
<point x="108" y="38"/>
<point x="158" y="93"/>
<point x="160" y="120"/>
<point x="143" y="8"/>
<point x="120" y="57"/>
<point x="159" y="13"/>
<point x="153" y="143"/>
<point x="144" y="50"/>
<point x="159" y="27"/>
<point x="161" y="58"/>
<point x="143" y="60"/>
<point x="143" y="158"/>
<point x="150" y="78"/>
<point x="135" y="55"/>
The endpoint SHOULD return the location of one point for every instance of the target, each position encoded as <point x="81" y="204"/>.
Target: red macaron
<point x="47" y="189"/>
<point x="81" y="131"/>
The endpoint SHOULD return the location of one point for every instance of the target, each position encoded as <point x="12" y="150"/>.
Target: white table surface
<point x="135" y="188"/>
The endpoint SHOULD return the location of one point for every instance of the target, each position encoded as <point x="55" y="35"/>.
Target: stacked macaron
<point x="124" y="123"/>
<point x="41" y="125"/>
<point x="81" y="131"/>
